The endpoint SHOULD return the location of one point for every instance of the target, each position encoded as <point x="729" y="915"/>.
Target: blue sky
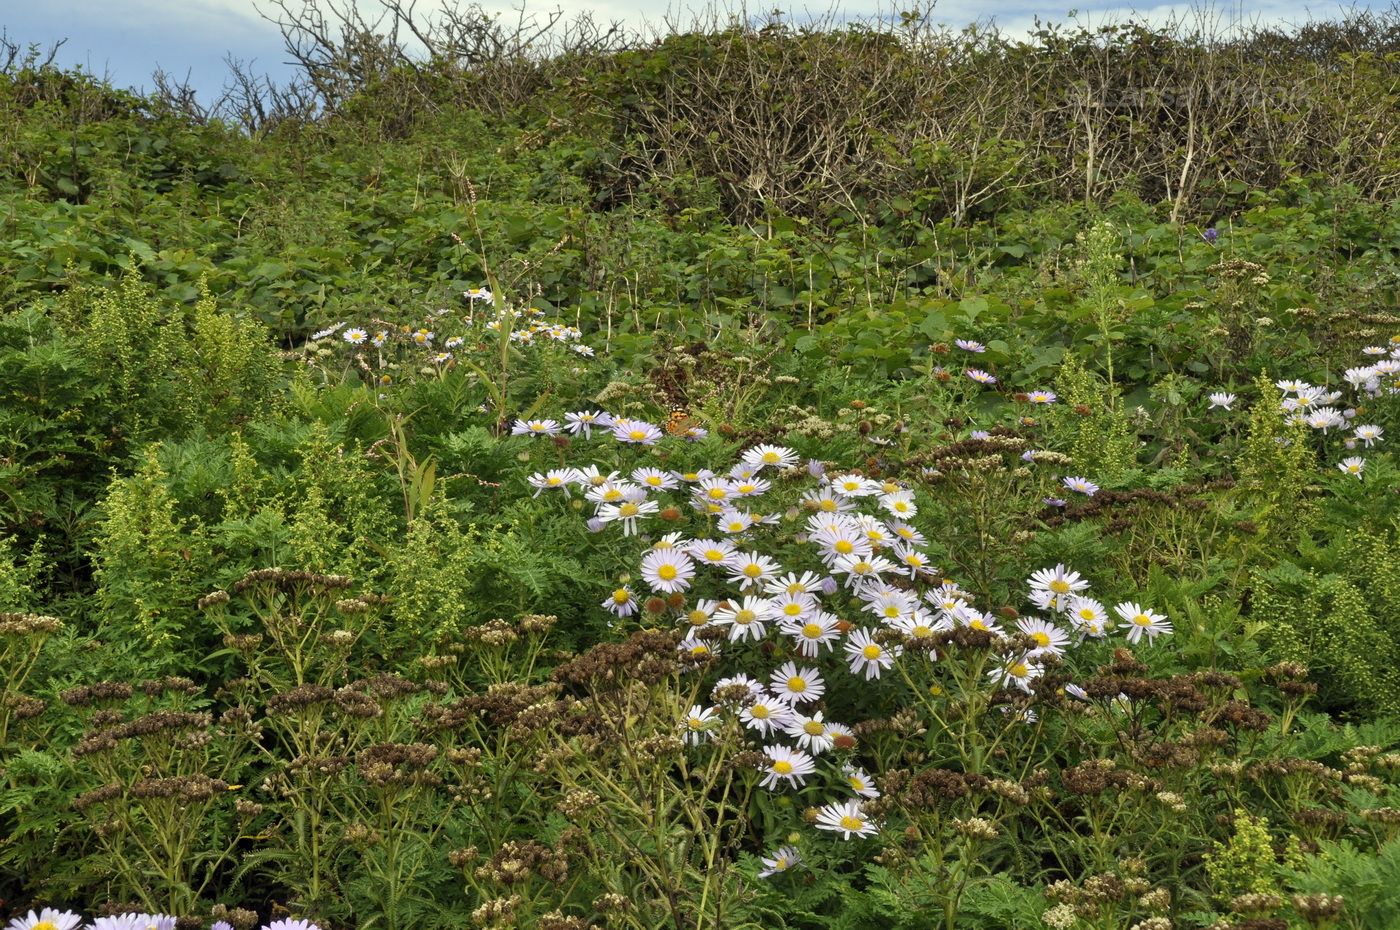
<point x="128" y="39"/>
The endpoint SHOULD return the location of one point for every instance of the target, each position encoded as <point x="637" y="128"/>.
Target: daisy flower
<point x="1017" y="672"/>
<point x="1142" y="621"/>
<point x="287" y="923"/>
<point x="559" y="478"/>
<point x="134" y="922"/>
<point x="810" y="732"/>
<point x="840" y="538"/>
<point x="751" y="487"/>
<point x="423" y="337"/>
<point x="797" y="685"/>
<point x="907" y="533"/>
<point x="535" y="428"/>
<point x="593" y="477"/>
<point x="744" y="619"/>
<point x="862" y="569"/>
<point x="1325" y="418"/>
<point x="1049" y="639"/>
<point x="919" y="625"/>
<point x="328" y="331"/>
<point x="712" y="551"/>
<point x="627" y="512"/>
<point x="1042" y="397"/>
<point x="783" y="859"/>
<point x="853" y="485"/>
<point x="47" y="919"/>
<point x="766" y="456"/>
<point x="1059" y="581"/>
<point x="890" y="605"/>
<point x="860" y="781"/>
<point x="479" y="293"/>
<point x="900" y="504"/>
<point x="969" y="345"/>
<point x="846" y="818"/>
<point x="1087" y="612"/>
<point x="355" y="336"/>
<point x="912" y="559"/>
<point x="974" y="619"/>
<point x="612" y="492"/>
<point x="1368" y="434"/>
<point x="715" y="490"/>
<point x="868" y="656"/>
<point x="793" y="583"/>
<point x="980" y="376"/>
<point x="583" y="421"/>
<point x="825" y="500"/>
<point x="1352" y="465"/>
<point x="784" y="764"/>
<point x="1222" y="400"/>
<point x="636" y="432"/>
<point x="766" y="714"/>
<point x="696" y="648"/>
<point x="793" y="608"/>
<point x="735" y="521"/>
<point x="621" y="602"/>
<point x="655" y="479"/>
<point x="1082" y="485"/>
<point x="701" y="613"/>
<point x="667" y="570"/>
<point x="813" y="633"/>
<point x="751" y="570"/>
<point x="698" y="725"/>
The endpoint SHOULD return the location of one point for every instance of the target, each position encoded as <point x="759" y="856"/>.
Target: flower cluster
<point x="848" y="592"/>
<point x="52" y="919"/>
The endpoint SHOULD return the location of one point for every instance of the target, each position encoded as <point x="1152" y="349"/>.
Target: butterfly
<point x="680" y="422"/>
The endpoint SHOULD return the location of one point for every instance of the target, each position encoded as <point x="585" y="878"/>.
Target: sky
<point x="128" y="39"/>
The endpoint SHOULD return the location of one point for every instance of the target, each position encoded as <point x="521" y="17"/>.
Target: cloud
<point x="128" y="39"/>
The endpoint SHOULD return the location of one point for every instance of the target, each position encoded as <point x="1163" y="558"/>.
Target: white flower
<point x="1222" y="399"/>
<point x="535" y="428"/>
<point x="1352" y="465"/>
<point x="1088" y="615"/>
<point x="628" y="512"/>
<point x="861" y="782"/>
<point x="1141" y="621"/>
<point x="784" y="764"/>
<point x="751" y="570"/>
<point x="813" y="633"/>
<point x="980" y="376"/>
<point x="667" y="570"/>
<point x="355" y="336"/>
<point x="1049" y="639"/>
<point x="1082" y="485"/>
<point x="636" y="432"/>
<point x="811" y="733"/>
<point x="797" y="685"/>
<point x="47" y="919"/>
<point x="745" y="618"/>
<point x="766" y="714"/>
<point x="712" y="551"/>
<point x="555" y="478"/>
<point x="846" y="818"/>
<point x="900" y="504"/>
<point x="621" y="602"/>
<point x="783" y="859"/>
<point x="1016" y="672"/>
<point x="698" y="725"/>
<point x="655" y="479"/>
<point x="853" y="485"/>
<point x="766" y="456"/>
<point x="867" y="656"/>
<point x="1369" y="434"/>
<point x="1059" y="581"/>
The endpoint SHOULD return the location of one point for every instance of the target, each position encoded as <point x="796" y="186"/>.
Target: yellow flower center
<point x="667" y="573"/>
<point x="621" y="596"/>
<point x="753" y="570"/>
<point x="1086" y="614"/>
<point x="891" y="611"/>
<point x="828" y="505"/>
<point x="699" y="650"/>
<point x="862" y="568"/>
<point x="1059" y="586"/>
<point x="792" y="609"/>
<point x="654" y="480"/>
<point x="782" y="767"/>
<point x="871" y="652"/>
<point x="771" y="458"/>
<point x="745" y="489"/>
<point x="1041" y="639"/>
<point x="554" y="481"/>
<point x="628" y="509"/>
<point x="844" y="546"/>
<point x="745" y="617"/>
<point x="717" y="494"/>
<point x="714" y="555"/>
<point x="49" y="924"/>
<point x="1019" y="670"/>
<point x="759" y="711"/>
<point x="797" y="683"/>
<point x="979" y="625"/>
<point x="1142" y="620"/>
<point x="856" y="783"/>
<point x="851" y="823"/>
<point x="812" y="630"/>
<point x="920" y="631"/>
<point x="696" y="723"/>
<point x="813" y="728"/>
<point x="901" y="507"/>
<point x="612" y="494"/>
